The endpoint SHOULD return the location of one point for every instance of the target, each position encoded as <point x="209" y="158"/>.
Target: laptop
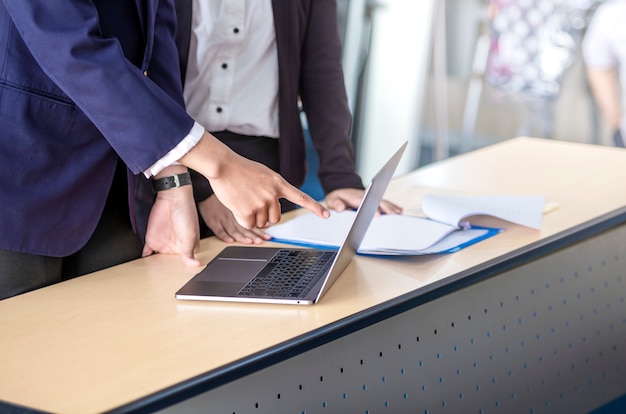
<point x="298" y="276"/>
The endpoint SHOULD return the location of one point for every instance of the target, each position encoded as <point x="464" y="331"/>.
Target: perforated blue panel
<point x="545" y="337"/>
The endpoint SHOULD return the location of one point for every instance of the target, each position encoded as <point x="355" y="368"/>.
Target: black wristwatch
<point x="172" y="181"/>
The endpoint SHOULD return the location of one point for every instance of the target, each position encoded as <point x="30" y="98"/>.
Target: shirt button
<point x="219" y="109"/>
<point x="224" y="65"/>
<point x="145" y="73"/>
<point x="236" y="30"/>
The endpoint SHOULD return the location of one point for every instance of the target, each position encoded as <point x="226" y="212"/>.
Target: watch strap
<point x="172" y="181"/>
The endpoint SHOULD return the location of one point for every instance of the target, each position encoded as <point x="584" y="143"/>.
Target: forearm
<point x="605" y="88"/>
<point x="208" y="157"/>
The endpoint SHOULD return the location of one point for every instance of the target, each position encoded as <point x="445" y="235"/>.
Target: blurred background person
<point x="604" y="54"/>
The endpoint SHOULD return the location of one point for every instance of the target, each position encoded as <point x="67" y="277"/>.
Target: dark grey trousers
<point x="113" y="242"/>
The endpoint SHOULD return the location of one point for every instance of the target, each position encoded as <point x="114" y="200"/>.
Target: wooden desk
<point x="119" y="340"/>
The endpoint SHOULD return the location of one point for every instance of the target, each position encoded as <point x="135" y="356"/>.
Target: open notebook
<point x="287" y="275"/>
<point x="445" y="228"/>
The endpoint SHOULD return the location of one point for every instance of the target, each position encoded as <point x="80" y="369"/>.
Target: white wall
<point x="395" y="84"/>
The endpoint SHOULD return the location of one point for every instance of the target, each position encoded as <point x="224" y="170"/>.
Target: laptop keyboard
<point x="290" y="274"/>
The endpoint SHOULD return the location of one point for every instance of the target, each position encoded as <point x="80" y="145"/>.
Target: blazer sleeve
<point x="141" y="120"/>
<point x="324" y="99"/>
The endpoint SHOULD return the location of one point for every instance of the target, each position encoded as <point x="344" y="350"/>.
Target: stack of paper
<point x="445" y="230"/>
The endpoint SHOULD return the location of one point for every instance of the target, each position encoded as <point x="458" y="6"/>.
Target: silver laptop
<point x="297" y="276"/>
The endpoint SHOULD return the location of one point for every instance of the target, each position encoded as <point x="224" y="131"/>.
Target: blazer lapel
<point x="183" y="32"/>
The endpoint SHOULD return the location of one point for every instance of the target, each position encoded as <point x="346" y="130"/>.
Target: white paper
<point x="519" y="209"/>
<point x="448" y="244"/>
<point x="386" y="232"/>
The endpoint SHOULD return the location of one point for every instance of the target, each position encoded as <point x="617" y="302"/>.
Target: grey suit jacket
<point x="309" y="61"/>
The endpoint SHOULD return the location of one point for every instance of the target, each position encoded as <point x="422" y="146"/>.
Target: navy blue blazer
<point x="70" y="104"/>
<point x="309" y="64"/>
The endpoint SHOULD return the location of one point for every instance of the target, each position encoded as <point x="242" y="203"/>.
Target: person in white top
<point x="247" y="65"/>
<point x="604" y="54"/>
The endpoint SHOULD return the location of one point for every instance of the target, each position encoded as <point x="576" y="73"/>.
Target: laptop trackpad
<point x="230" y="270"/>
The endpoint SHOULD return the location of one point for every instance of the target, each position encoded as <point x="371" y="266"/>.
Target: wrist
<point x="209" y="157"/>
<point x="171" y="170"/>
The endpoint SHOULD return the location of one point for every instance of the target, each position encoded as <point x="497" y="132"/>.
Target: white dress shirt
<point x="232" y="70"/>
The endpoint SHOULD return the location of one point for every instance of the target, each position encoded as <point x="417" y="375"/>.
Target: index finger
<point x="304" y="200"/>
